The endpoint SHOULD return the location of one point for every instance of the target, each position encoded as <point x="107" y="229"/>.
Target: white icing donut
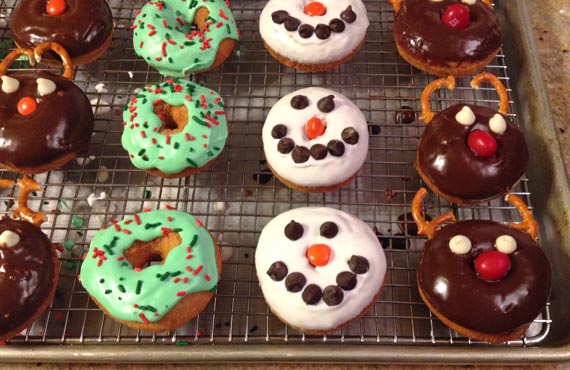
<point x="313" y="50"/>
<point x="353" y="238"/>
<point x="331" y="169"/>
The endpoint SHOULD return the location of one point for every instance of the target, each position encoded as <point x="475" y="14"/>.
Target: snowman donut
<point x="319" y="268"/>
<point x="315" y="140"/>
<point x="313" y="35"/>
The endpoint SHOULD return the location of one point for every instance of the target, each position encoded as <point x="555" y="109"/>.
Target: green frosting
<point x="165" y="38"/>
<point x="201" y="140"/>
<point x="148" y="294"/>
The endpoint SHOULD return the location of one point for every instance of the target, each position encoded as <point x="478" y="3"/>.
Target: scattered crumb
<point x="219" y="207"/>
<point x="100" y="88"/>
<point x="92" y="198"/>
<point x="102" y="174"/>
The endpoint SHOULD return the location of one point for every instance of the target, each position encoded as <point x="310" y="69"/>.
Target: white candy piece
<point x="498" y="124"/>
<point x="9" y="239"/>
<point x="45" y="86"/>
<point x="460" y="244"/>
<point x="469" y="2"/>
<point x="100" y="88"/>
<point x="9" y="84"/>
<point x="465" y="116"/>
<point x="506" y="244"/>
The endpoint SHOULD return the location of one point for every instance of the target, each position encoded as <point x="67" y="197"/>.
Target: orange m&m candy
<point x="314" y="128"/>
<point x="315" y="8"/>
<point x="56" y="7"/>
<point x="27" y="106"/>
<point x="319" y="254"/>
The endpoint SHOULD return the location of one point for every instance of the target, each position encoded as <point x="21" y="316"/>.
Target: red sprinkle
<point x="143" y="318"/>
<point x="126" y="232"/>
<point x="128" y="222"/>
<point x="219" y="112"/>
<point x="167" y="139"/>
<point x="120" y="258"/>
<point x="163" y="49"/>
<point x="180" y="294"/>
<point x="188" y="268"/>
<point x="58" y="316"/>
<point x="185" y="280"/>
<point x="187" y="136"/>
<point x="176" y="279"/>
<point x="188" y="256"/>
<point x="181" y="21"/>
<point x="222" y="15"/>
<point x="188" y="249"/>
<point x="143" y="135"/>
<point x="207" y="277"/>
<point x="137" y="269"/>
<point x="198" y="222"/>
<point x="137" y="219"/>
<point x="197" y="271"/>
<point x="169" y="207"/>
<point x="211" y="119"/>
<point x="165" y="230"/>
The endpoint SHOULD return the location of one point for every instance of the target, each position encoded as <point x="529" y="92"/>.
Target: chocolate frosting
<point x="451" y="286"/>
<point x="418" y="29"/>
<point x="445" y="160"/>
<point x="62" y="122"/>
<point x="82" y="28"/>
<point x="27" y="276"/>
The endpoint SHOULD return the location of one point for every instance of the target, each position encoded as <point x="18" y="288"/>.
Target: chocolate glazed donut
<point x="83" y="28"/>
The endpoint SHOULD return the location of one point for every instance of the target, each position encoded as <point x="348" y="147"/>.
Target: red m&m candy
<point x="456" y="16"/>
<point x="315" y="8"/>
<point x="314" y="128"/>
<point x="27" y="106"/>
<point x="492" y="265"/>
<point x="56" y="7"/>
<point x="319" y="254"/>
<point x="482" y="143"/>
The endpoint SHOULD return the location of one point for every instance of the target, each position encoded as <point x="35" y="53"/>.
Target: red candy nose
<point x="56" y="7"/>
<point x="315" y="8"/>
<point x="27" y="105"/>
<point x="456" y="16"/>
<point x="482" y="143"/>
<point x="314" y="128"/>
<point x="318" y="254"/>
<point x="492" y="265"/>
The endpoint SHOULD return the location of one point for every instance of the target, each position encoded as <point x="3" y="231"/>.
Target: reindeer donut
<point x="45" y="119"/>
<point x="319" y="268"/>
<point x="470" y="154"/>
<point x="315" y="140"/>
<point x="486" y="280"/>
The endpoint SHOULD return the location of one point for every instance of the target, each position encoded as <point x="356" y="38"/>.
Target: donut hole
<point x="173" y="118"/>
<point x="140" y="254"/>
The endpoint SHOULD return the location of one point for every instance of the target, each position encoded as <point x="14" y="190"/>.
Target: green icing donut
<point x="200" y="141"/>
<point x="146" y="295"/>
<point x="165" y="38"/>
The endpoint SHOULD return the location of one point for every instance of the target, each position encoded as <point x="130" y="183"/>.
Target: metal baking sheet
<point x="237" y="196"/>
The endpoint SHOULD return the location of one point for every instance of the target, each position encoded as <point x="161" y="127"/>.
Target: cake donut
<point x="486" y="280"/>
<point x="470" y="154"/>
<point x="447" y="37"/>
<point x="175" y="128"/>
<point x="315" y="140"/>
<point x="45" y="119"/>
<point x="179" y="37"/>
<point x="157" y="297"/>
<point x="28" y="264"/>
<point x="313" y="35"/>
<point x="319" y="268"/>
<point x="83" y="28"/>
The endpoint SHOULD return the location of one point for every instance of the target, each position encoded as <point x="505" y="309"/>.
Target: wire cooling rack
<point x="238" y="195"/>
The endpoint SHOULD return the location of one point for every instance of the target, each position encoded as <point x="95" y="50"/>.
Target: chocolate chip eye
<point x="350" y="135"/>
<point x="329" y="229"/>
<point x="285" y="145"/>
<point x="279" y="16"/>
<point x="299" y="102"/>
<point x="291" y="24"/>
<point x="332" y="295"/>
<point x="295" y="282"/>
<point x="358" y="264"/>
<point x="337" y="25"/>
<point x="277" y="271"/>
<point x="319" y="151"/>
<point x="312" y="294"/>
<point x="279" y="131"/>
<point x="294" y="230"/>
<point x="306" y="31"/>
<point x="348" y="15"/>
<point x="301" y="154"/>
<point x="336" y="148"/>
<point x="323" y="31"/>
<point x="326" y="104"/>
<point x="346" y="280"/>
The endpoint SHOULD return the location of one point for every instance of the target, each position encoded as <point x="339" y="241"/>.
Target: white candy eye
<point x="45" y="86"/>
<point x="506" y="244"/>
<point x="460" y="244"/>
<point x="9" y="84"/>
<point x="9" y="239"/>
<point x="469" y="2"/>
<point x="497" y="124"/>
<point x="465" y="116"/>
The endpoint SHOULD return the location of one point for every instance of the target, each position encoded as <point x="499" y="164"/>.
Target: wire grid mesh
<point x="237" y="196"/>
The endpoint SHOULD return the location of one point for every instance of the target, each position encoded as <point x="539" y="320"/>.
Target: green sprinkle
<point x="122" y="288"/>
<point x="139" y="286"/>
<point x="34" y="193"/>
<point x="165" y="276"/>
<point x="147" y="194"/>
<point x="101" y="281"/>
<point x="182" y="343"/>
<point x="175" y="273"/>
<point x="194" y="240"/>
<point x="152" y="226"/>
<point x="68" y="244"/>
<point x="76" y="222"/>
<point x="142" y="151"/>
<point x="177" y="230"/>
<point x="108" y="250"/>
<point x="192" y="163"/>
<point x="108" y="291"/>
<point x="176" y="145"/>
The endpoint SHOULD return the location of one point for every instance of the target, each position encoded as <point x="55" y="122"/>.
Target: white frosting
<point x="324" y="172"/>
<point x="460" y="244"/>
<point x="506" y="244"/>
<point x="465" y="116"/>
<point x="497" y="124"/>
<point x="9" y="239"/>
<point x="313" y="50"/>
<point x="354" y="238"/>
<point x="45" y="86"/>
<point x="9" y="84"/>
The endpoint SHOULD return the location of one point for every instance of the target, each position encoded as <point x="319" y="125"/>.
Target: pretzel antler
<point x="396" y="4"/>
<point x="35" y="56"/>
<point x="424" y="227"/>
<point x="501" y="90"/>
<point x="488" y="2"/>
<point x="27" y="185"/>
<point x="528" y="224"/>
<point x="427" y="114"/>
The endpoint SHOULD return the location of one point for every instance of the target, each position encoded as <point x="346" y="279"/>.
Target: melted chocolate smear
<point x="319" y="151"/>
<point x="346" y="280"/>
<point x="291" y="24"/>
<point x="329" y="229"/>
<point x="336" y="148"/>
<point x="405" y="115"/>
<point x="312" y="294"/>
<point x="301" y="154"/>
<point x="358" y="264"/>
<point x="299" y="102"/>
<point x="285" y="145"/>
<point x="279" y="16"/>
<point x="350" y="135"/>
<point x="263" y="177"/>
<point x="326" y="104"/>
<point x="406" y="222"/>
<point x="295" y="282"/>
<point x="348" y="15"/>
<point x="337" y="25"/>
<point x="323" y="31"/>
<point x="374" y="129"/>
<point x="279" y="131"/>
<point x="306" y="31"/>
<point x="294" y="230"/>
<point x="277" y="271"/>
<point x="332" y="295"/>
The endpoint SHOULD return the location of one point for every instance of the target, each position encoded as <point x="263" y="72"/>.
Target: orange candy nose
<point x="27" y="106"/>
<point x="56" y="7"/>
<point x="315" y="9"/>
<point x="318" y="254"/>
<point x="314" y="128"/>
